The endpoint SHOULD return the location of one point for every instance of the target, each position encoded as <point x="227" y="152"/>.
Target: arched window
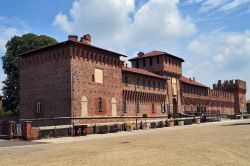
<point x="100" y="104"/>
<point x="114" y="110"/>
<point x="84" y="106"/>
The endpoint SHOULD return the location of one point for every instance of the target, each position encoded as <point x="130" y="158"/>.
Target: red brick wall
<point x="45" y="78"/>
<point x="145" y="96"/>
<point x="208" y="98"/>
<point x="83" y="84"/>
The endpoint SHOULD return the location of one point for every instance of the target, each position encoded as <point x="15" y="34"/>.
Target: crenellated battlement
<point x="230" y="85"/>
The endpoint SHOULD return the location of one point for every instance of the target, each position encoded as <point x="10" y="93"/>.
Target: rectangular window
<point x="100" y="104"/>
<point x="137" y="63"/>
<point x="151" y="61"/>
<point x="137" y="107"/>
<point x="126" y="80"/>
<point x="153" y="107"/>
<point x="174" y="86"/>
<point x="159" y="85"/>
<point x="149" y="84"/>
<point x="154" y="85"/>
<point x="39" y="107"/>
<point x="144" y="62"/>
<point x="124" y="105"/>
<point x="158" y="59"/>
<point x="98" y="75"/>
<point x="138" y="82"/>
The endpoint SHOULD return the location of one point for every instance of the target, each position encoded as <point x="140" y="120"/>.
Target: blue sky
<point x="213" y="36"/>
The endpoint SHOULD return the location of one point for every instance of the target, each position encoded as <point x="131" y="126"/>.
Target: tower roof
<point x="155" y="53"/>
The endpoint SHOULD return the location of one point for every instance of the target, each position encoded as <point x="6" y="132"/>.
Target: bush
<point x="197" y="114"/>
<point x="180" y="116"/>
<point x="145" y="115"/>
<point x="6" y="113"/>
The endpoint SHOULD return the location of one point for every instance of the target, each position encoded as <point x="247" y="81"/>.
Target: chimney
<point x="126" y="65"/>
<point x="73" y="38"/>
<point x="86" y="39"/>
<point x="140" y="54"/>
<point x="193" y="78"/>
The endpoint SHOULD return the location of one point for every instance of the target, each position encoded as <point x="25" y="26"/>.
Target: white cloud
<point x="8" y="28"/>
<point x="219" y="5"/>
<point x="106" y="20"/>
<point x="116" y="22"/>
<point x="161" y="20"/>
<point x="222" y="55"/>
<point x="62" y="21"/>
<point x="233" y="4"/>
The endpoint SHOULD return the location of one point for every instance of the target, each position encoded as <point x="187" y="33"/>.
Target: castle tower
<point x="240" y="96"/>
<point x="167" y="65"/>
<point x="238" y="88"/>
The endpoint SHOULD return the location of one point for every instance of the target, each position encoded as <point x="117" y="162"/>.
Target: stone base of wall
<point x="102" y="125"/>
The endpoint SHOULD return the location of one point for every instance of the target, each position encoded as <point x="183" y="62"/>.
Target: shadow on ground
<point x="17" y="142"/>
<point x="236" y="124"/>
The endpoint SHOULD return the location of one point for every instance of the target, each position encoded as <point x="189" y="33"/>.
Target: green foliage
<point x="197" y="114"/>
<point x="4" y="113"/>
<point x="16" y="46"/>
<point x="145" y="115"/>
<point x="181" y="116"/>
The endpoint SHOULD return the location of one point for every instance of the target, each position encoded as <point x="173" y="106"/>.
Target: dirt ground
<point x="207" y="144"/>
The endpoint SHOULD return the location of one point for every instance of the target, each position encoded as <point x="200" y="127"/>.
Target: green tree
<point x="15" y="46"/>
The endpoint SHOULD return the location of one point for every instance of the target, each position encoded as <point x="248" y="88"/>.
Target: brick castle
<point x="74" y="82"/>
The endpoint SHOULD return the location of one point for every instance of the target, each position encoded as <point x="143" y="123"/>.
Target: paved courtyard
<point x="226" y="143"/>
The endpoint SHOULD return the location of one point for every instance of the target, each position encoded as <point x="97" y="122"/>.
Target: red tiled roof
<point x="192" y="82"/>
<point x="156" y="53"/>
<point x="141" y="71"/>
<point x="67" y="42"/>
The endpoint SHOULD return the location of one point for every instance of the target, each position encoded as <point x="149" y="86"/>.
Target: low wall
<point x="9" y="118"/>
<point x="4" y="120"/>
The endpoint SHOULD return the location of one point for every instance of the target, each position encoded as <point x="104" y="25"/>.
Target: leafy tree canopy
<point x="15" y="46"/>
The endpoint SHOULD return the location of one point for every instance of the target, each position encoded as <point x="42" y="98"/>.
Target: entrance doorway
<point x="175" y="106"/>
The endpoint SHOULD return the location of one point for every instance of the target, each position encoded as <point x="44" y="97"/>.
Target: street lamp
<point x="74" y="75"/>
<point x="136" y="108"/>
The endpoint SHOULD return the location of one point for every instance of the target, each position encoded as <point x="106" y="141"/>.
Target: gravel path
<point x="226" y="143"/>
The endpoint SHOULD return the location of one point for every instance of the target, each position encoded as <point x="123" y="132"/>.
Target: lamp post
<point x="136" y="109"/>
<point x="73" y="75"/>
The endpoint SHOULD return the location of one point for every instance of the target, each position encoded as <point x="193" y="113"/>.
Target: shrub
<point x="6" y="113"/>
<point x="197" y="114"/>
<point x="180" y="116"/>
